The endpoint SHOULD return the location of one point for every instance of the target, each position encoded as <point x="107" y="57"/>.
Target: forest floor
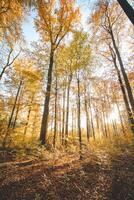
<point x="106" y="172"/>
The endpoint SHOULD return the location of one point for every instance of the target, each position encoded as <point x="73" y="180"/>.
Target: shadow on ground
<point x="102" y="177"/>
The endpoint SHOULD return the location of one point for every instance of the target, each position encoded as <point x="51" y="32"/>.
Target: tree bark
<point x="14" y="106"/>
<point x="63" y="116"/>
<point x="127" y="84"/>
<point x="67" y="109"/>
<point x="55" y="115"/>
<point x="87" y="116"/>
<point x="28" y="117"/>
<point x="12" y="113"/>
<point x="121" y="120"/>
<point x="79" y="117"/>
<point x="129" y="113"/>
<point x="44" y="124"/>
<point x="91" y="116"/>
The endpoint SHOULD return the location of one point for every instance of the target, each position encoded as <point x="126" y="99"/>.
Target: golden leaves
<point x="25" y="68"/>
<point x="56" y="19"/>
<point x="10" y="19"/>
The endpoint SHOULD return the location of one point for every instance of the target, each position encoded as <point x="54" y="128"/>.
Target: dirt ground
<point x="102" y="176"/>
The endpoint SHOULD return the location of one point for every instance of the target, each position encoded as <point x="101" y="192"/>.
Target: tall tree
<point x="55" y="21"/>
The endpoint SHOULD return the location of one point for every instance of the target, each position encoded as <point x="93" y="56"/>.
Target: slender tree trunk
<point x="17" y="110"/>
<point x="34" y="125"/>
<point x="55" y="115"/>
<point x="79" y="117"/>
<point x="102" y="125"/>
<point x="118" y="108"/>
<point x="72" y="122"/>
<point x="91" y="117"/>
<point x="14" y="106"/>
<point x="104" y="122"/>
<point x="63" y="116"/>
<point x="16" y="115"/>
<point x="87" y="116"/>
<point x="127" y="9"/>
<point x="60" y="120"/>
<point x="97" y="123"/>
<point x="2" y="72"/>
<point x="67" y="109"/>
<point x="115" y="127"/>
<point x="44" y="124"/>
<point x="51" y="129"/>
<point x="127" y="84"/>
<point x="129" y="113"/>
<point x="12" y="113"/>
<point x="28" y="117"/>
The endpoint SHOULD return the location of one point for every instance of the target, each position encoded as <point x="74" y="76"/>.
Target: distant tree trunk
<point x="55" y="115"/>
<point x="12" y="113"/>
<point x="67" y="109"/>
<point x="87" y="116"/>
<point x="72" y="122"/>
<point x="28" y="117"/>
<point x="34" y="125"/>
<point x="44" y="124"/>
<point x="16" y="115"/>
<point x="97" y="123"/>
<point x="79" y="116"/>
<point x="91" y="117"/>
<point x="127" y="9"/>
<point x="106" y="114"/>
<point x="75" y="121"/>
<point x="127" y="84"/>
<point x="118" y="108"/>
<point x="63" y="116"/>
<point x="14" y="106"/>
<point x="102" y="125"/>
<point x="17" y="110"/>
<point x="60" y="120"/>
<point x="115" y="127"/>
<point x="51" y="129"/>
<point x="104" y="122"/>
<point x="129" y="113"/>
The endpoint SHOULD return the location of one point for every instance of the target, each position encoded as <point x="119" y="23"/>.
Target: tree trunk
<point x="127" y="9"/>
<point x="28" y="117"/>
<point x="127" y="84"/>
<point x="118" y="108"/>
<point x="12" y="113"/>
<point x="67" y="109"/>
<point x="44" y="124"/>
<point x="79" y="117"/>
<point x="129" y="113"/>
<point x="104" y="122"/>
<point x="63" y="116"/>
<point x="97" y="124"/>
<point x="55" y="116"/>
<point x="72" y="122"/>
<point x="14" y="106"/>
<point x="17" y="110"/>
<point x="91" y="116"/>
<point x="87" y="115"/>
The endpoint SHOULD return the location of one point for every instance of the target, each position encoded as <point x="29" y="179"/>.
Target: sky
<point x="30" y="34"/>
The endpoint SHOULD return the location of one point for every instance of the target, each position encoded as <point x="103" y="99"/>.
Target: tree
<point x="110" y="21"/>
<point x="54" y="23"/>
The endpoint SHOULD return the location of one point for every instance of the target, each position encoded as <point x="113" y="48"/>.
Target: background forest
<point x="68" y="89"/>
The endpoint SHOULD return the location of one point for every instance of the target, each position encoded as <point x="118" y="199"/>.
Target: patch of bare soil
<point x="102" y="176"/>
